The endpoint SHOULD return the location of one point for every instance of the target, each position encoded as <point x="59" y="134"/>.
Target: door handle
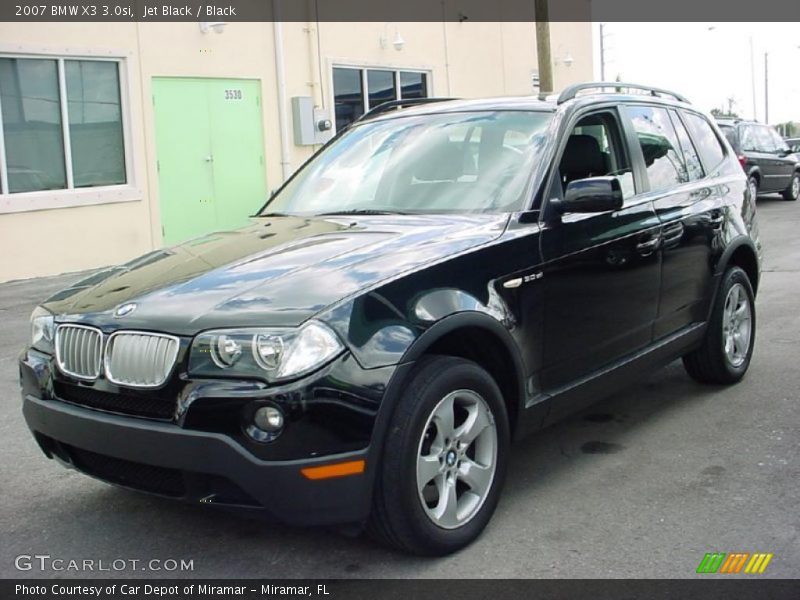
<point x="647" y="247"/>
<point x="672" y="233"/>
<point x="209" y="158"/>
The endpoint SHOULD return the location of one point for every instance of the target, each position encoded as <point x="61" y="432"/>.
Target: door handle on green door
<point x="209" y="158"/>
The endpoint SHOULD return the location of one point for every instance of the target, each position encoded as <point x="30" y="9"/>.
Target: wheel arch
<point x="441" y="336"/>
<point x="485" y="341"/>
<point x="743" y="254"/>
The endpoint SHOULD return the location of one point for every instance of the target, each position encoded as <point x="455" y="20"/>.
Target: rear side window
<point x="693" y="165"/>
<point x="730" y="134"/>
<point x="660" y="147"/>
<point x="706" y="141"/>
<point x="779" y="142"/>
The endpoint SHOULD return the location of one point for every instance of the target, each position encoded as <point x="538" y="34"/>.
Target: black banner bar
<point x="396" y="10"/>
<point x="712" y="588"/>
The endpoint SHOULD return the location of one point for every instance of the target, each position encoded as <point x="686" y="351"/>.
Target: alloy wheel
<point x="795" y="186"/>
<point x="737" y="325"/>
<point x="457" y="459"/>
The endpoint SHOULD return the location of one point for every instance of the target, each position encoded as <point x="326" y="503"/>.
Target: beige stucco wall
<point x="464" y="60"/>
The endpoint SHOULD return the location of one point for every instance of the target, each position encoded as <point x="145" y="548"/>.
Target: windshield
<point x="453" y="162"/>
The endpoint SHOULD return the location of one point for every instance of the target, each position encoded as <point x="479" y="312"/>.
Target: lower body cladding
<point x="170" y="459"/>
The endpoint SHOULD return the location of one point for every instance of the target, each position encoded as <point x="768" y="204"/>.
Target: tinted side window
<point x="749" y="138"/>
<point x="764" y="141"/>
<point x="780" y="143"/>
<point x="660" y="147"/>
<point x="730" y="133"/>
<point x="692" y="160"/>
<point x="706" y="141"/>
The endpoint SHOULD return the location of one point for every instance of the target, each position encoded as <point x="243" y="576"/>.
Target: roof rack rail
<point x="570" y="92"/>
<point x="387" y="106"/>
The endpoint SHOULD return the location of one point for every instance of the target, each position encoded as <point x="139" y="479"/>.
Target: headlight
<point x="272" y="354"/>
<point x="42" y="330"/>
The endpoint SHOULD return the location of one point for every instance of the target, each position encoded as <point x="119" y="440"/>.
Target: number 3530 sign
<point x="233" y="94"/>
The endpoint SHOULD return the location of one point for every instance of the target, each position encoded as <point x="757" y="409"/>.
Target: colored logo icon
<point x="735" y="562"/>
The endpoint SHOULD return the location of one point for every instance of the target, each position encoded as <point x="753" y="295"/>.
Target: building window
<point x="61" y="124"/>
<point x="357" y="90"/>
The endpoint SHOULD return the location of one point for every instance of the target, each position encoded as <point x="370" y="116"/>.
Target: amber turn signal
<point x="352" y="467"/>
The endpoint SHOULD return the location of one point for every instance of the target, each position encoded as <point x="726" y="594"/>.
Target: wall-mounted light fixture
<point x="398" y="42"/>
<point x="567" y="60"/>
<point x="216" y="27"/>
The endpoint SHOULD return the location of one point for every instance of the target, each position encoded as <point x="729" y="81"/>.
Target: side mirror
<point x="592" y="195"/>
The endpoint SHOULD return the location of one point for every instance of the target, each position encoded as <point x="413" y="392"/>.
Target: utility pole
<point x="543" y="46"/>
<point x="753" y="78"/>
<point x="602" y="53"/>
<point x="766" y="88"/>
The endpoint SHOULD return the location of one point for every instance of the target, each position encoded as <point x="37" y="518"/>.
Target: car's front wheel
<point x="730" y="337"/>
<point x="444" y="459"/>
<point x="793" y="191"/>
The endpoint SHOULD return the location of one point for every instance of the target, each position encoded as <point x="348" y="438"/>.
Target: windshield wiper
<point x="361" y="211"/>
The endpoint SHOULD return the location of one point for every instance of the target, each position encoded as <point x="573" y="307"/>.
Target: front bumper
<point x="195" y="465"/>
<point x="336" y="416"/>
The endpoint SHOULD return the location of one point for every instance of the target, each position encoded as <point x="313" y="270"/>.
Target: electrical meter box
<point x="312" y="126"/>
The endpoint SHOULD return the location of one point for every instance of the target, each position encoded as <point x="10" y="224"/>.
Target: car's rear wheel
<point x="728" y="346"/>
<point x="793" y="191"/>
<point x="444" y="460"/>
<point x="752" y="185"/>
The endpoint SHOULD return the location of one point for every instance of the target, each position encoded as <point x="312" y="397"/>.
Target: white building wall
<point x="87" y="228"/>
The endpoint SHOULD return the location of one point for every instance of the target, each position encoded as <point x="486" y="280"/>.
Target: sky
<point x="709" y="63"/>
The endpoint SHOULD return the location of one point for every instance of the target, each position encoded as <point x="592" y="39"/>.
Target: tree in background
<point x="718" y="112"/>
<point x="789" y="129"/>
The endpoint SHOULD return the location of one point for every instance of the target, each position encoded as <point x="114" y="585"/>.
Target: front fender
<point x="379" y="333"/>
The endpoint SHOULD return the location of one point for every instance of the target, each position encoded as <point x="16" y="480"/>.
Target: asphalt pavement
<point x="643" y="484"/>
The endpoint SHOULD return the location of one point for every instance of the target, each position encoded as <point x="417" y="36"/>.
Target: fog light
<point x="269" y="419"/>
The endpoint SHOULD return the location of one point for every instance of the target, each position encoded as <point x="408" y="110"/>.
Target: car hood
<point x="274" y="272"/>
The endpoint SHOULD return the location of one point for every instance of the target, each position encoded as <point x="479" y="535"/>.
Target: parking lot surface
<point x="643" y="484"/>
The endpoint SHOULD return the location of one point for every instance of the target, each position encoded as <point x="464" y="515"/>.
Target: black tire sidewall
<point x="788" y="193"/>
<point x="438" y="378"/>
<point x="752" y="183"/>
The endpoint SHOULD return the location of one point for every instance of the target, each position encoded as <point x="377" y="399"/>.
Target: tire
<point x="793" y="191"/>
<point x="725" y="356"/>
<point x="400" y="516"/>
<point x="752" y="185"/>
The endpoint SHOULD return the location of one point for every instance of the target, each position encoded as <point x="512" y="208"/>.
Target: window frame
<point x="71" y="196"/>
<point x="363" y="68"/>
<point x="710" y="170"/>
<point x="678" y="149"/>
<point x="676" y="119"/>
<point x="551" y="180"/>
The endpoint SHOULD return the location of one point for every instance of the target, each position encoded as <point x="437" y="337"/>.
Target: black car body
<point x="610" y="264"/>
<point x="768" y="160"/>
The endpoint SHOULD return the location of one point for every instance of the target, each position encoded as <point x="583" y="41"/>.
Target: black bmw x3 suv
<point x="436" y="281"/>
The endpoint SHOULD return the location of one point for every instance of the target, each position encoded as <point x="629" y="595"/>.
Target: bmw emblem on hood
<point x="125" y="309"/>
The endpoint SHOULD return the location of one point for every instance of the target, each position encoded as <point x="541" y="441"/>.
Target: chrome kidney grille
<point x="79" y="351"/>
<point x="131" y="358"/>
<point x="140" y="359"/>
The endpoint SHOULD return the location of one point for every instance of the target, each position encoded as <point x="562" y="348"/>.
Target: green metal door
<point x="210" y="149"/>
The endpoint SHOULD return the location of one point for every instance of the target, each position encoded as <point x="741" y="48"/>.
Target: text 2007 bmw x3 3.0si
<point x="437" y="280"/>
